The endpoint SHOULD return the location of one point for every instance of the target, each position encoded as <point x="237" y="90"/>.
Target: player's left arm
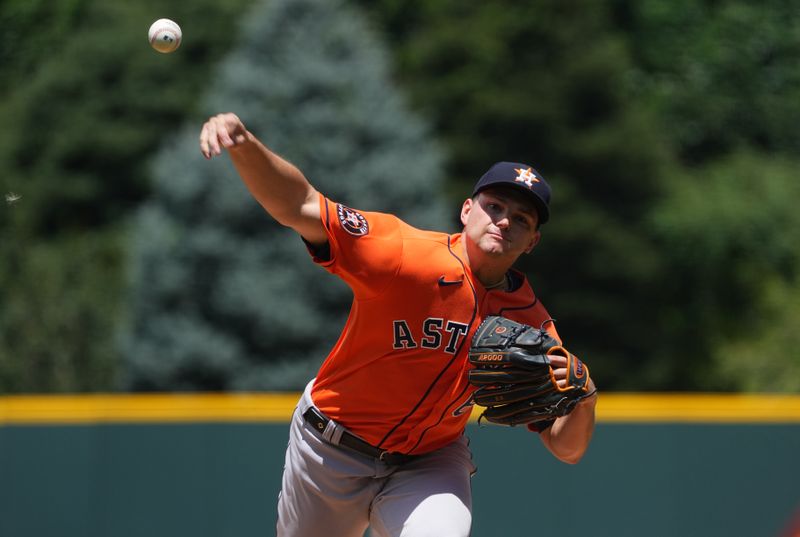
<point x="569" y="436"/>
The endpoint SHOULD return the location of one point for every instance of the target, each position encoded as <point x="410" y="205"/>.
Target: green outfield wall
<point x="196" y="466"/>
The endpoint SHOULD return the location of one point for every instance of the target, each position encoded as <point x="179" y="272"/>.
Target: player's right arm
<point x="275" y="183"/>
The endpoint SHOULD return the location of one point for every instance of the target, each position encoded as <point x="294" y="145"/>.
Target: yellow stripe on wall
<point x="728" y="408"/>
<point x="157" y="408"/>
<point x="278" y="407"/>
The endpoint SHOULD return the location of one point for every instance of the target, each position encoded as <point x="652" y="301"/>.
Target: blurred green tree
<point x="223" y="297"/>
<point x="732" y="230"/>
<point x="32" y="30"/>
<point x="86" y="101"/>
<point x="721" y="74"/>
<point x="724" y="79"/>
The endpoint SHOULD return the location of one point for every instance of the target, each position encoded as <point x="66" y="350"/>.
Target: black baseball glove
<point x="514" y="377"/>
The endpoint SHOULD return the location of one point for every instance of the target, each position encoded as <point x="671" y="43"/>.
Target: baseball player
<point x="377" y="439"/>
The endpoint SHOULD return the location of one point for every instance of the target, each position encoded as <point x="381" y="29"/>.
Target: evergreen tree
<point x="86" y="102"/>
<point x="223" y="297"/>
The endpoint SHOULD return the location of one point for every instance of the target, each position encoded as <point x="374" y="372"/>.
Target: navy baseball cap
<point x="520" y="176"/>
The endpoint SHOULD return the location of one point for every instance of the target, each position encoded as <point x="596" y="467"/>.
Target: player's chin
<point x="501" y="256"/>
<point x="493" y="249"/>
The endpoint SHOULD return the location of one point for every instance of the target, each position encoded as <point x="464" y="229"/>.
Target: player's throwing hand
<point x="222" y="130"/>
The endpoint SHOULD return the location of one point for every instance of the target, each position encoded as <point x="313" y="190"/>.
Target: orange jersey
<point x="397" y="376"/>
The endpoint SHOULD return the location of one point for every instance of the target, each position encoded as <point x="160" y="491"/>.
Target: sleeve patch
<point x="352" y="221"/>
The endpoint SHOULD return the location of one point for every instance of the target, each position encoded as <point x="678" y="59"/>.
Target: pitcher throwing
<point x="378" y="437"/>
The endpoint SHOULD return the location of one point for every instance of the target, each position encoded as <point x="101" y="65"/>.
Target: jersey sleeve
<point x="364" y="248"/>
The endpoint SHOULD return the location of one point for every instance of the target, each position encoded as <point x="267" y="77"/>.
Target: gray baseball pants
<point x="332" y="491"/>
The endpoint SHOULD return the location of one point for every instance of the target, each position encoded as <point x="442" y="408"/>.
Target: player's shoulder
<point x="407" y="230"/>
<point x="360" y="222"/>
<point x="411" y="232"/>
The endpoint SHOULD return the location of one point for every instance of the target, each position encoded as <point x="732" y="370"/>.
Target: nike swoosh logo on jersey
<point x="444" y="282"/>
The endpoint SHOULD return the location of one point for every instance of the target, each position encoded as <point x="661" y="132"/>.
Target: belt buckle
<point x="393" y="457"/>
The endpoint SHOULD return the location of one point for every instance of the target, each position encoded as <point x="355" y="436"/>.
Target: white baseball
<point x="165" y="35"/>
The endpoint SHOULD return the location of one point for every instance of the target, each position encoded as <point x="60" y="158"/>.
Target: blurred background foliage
<point x="667" y="129"/>
<point x="225" y="298"/>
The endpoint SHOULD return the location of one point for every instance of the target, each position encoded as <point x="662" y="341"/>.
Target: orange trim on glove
<point x="578" y="376"/>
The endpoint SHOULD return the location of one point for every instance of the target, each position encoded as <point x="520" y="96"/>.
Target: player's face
<point x="499" y="223"/>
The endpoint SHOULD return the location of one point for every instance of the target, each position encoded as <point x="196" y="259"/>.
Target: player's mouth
<point x="497" y="236"/>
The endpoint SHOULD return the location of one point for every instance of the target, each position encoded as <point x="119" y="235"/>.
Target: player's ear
<point x="534" y="241"/>
<point x="466" y="207"/>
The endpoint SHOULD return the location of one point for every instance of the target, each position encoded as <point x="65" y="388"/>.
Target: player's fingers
<point x="557" y="360"/>
<point x="562" y="383"/>
<point x="220" y="131"/>
<point x="226" y="124"/>
<point x="213" y="134"/>
<point x="560" y="376"/>
<point x="204" y="145"/>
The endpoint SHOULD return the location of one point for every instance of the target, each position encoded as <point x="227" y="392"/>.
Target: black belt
<point x="318" y="421"/>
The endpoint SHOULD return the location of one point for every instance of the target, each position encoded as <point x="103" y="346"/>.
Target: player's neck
<point x="502" y="283"/>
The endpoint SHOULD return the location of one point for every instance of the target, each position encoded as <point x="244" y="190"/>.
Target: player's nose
<point x="502" y="221"/>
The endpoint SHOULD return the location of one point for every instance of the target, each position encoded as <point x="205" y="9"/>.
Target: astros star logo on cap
<point x="526" y="176"/>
